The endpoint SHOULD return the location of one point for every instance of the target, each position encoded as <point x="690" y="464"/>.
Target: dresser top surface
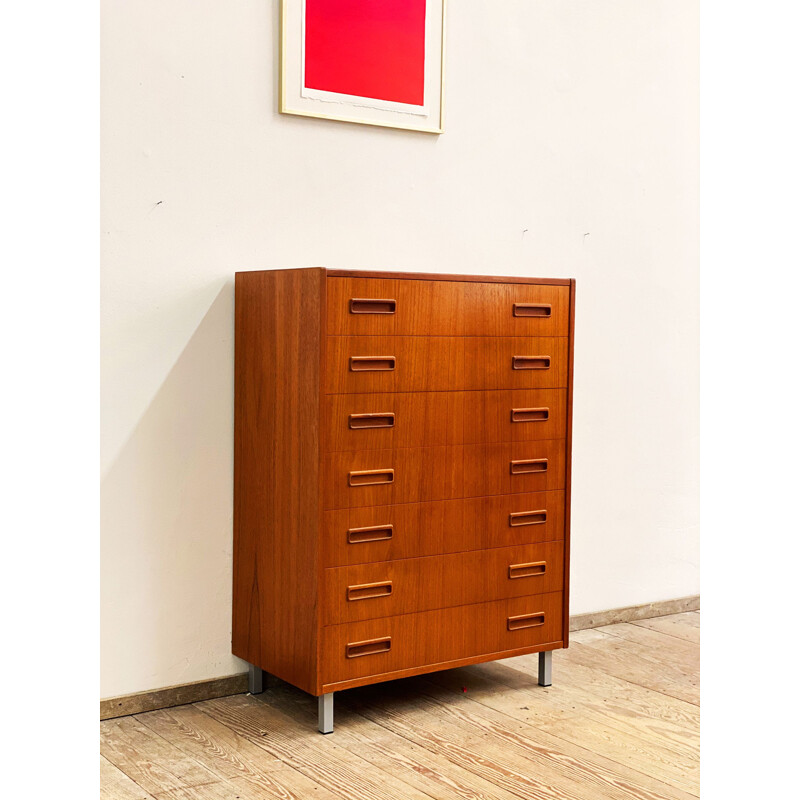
<point x="421" y="276"/>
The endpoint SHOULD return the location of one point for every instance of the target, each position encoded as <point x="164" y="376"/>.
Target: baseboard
<point x="172" y="696"/>
<point x="237" y="684"/>
<point x="596" y="619"/>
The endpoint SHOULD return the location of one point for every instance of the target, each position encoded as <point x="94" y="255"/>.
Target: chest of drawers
<point x="401" y="474"/>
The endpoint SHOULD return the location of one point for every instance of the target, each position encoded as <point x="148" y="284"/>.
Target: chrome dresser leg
<point x="326" y="713"/>
<point x="255" y="680"/>
<point x="546" y="668"/>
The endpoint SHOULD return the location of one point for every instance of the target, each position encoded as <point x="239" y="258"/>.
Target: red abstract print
<point x="366" y="48"/>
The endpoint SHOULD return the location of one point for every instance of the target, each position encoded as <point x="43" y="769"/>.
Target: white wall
<point x="570" y="151"/>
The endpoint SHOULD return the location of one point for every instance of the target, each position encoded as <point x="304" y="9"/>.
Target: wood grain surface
<point x="400" y="430"/>
<point x="443" y="635"/>
<point x="438" y="276"/>
<point x="446" y="308"/>
<point x="442" y="418"/>
<point x="443" y="363"/>
<point x="138" y="702"/>
<point x="450" y="526"/>
<point x="660" y="608"/>
<point x="484" y="731"/>
<point x="442" y="473"/>
<point x="276" y="471"/>
<point x="422" y="584"/>
<point x="568" y="512"/>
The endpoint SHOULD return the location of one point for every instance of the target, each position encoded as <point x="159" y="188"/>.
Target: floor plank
<point x="392" y="753"/>
<point x="654" y="644"/>
<point x="229" y="755"/>
<point x="662" y="750"/>
<point x="116" y="785"/>
<point x="588" y="636"/>
<point x="502" y="740"/>
<point x="152" y="762"/>
<point x="683" y="626"/>
<point x="236" y="789"/>
<point x="303" y="748"/>
<point x="621" y="722"/>
<point x="623" y="696"/>
<point x="625" y="660"/>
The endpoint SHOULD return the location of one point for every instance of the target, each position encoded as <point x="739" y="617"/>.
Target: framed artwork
<point x="376" y="62"/>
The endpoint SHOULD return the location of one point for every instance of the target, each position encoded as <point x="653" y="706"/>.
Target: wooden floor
<point x="620" y="721"/>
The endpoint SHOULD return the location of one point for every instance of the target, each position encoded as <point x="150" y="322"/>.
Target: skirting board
<point x="579" y="622"/>
<point x="172" y="696"/>
<point x="237" y="684"/>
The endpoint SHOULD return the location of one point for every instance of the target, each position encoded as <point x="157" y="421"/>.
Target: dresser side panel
<point x="568" y="492"/>
<point x="277" y="472"/>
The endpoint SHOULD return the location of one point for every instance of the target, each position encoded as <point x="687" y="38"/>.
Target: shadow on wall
<point x="166" y="516"/>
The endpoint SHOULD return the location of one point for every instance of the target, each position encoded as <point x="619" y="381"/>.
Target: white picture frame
<point x="297" y="99"/>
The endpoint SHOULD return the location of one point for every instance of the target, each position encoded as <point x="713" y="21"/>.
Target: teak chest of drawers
<point x="401" y="474"/>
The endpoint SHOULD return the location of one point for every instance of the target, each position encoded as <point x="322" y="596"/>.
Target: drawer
<point x="414" y="419"/>
<point x="385" y="533"/>
<point x="380" y="646"/>
<point x="377" y="306"/>
<point x="418" y="474"/>
<point x="363" y="364"/>
<point x="369" y="591"/>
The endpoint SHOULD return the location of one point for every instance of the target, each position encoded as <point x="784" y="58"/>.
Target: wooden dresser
<point x="402" y="474"/>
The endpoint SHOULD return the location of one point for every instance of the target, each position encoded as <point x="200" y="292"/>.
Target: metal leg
<point x="326" y="713"/>
<point x="546" y="668"/>
<point x="255" y="680"/>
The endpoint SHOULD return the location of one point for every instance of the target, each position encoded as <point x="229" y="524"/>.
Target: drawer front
<point x="419" y="474"/>
<point x="411" y="530"/>
<point x="379" y="646"/>
<point x="376" y="306"/>
<point x="369" y="591"/>
<point x="366" y="364"/>
<point x="414" y="419"/>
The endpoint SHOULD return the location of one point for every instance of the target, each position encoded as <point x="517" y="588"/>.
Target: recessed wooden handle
<point x="371" y="363"/>
<point x="370" y="477"/>
<point x="360" y="421"/>
<point x="530" y="570"/>
<point x="530" y="362"/>
<point x="376" y="533"/>
<point x="526" y="621"/>
<point x="528" y="466"/>
<point x="530" y="414"/>
<point x="359" y="305"/>
<point x="519" y="518"/>
<point x="370" y="647"/>
<point x="532" y="310"/>
<point x="369" y="591"/>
